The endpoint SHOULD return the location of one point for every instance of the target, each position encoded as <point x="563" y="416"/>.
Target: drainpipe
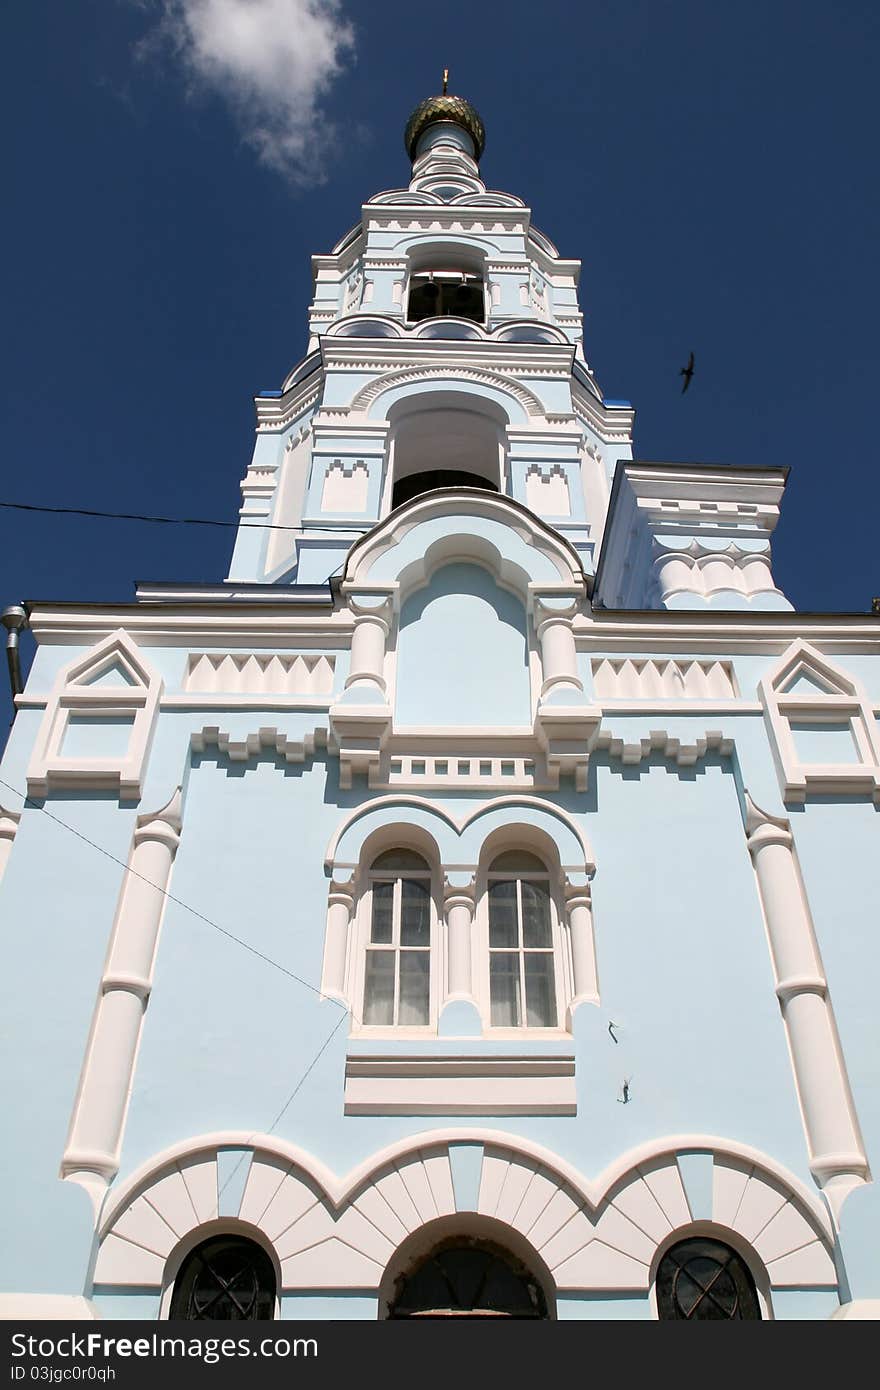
<point x="13" y="619"/>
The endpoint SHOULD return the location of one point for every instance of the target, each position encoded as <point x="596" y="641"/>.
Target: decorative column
<point x="459" y="1011"/>
<point x="837" y="1160"/>
<point x="566" y="726"/>
<point x="92" y="1154"/>
<point x="9" y="821"/>
<point x="372" y="625"/>
<point x="340" y="909"/>
<point x="361" y="720"/>
<point x="579" y="911"/>
<point x="553" y="623"/>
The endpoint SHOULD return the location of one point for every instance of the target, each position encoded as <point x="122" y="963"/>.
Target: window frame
<point x="364" y="945"/>
<point x="560" y="950"/>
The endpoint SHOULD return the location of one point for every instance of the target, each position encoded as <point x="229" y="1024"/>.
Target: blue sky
<point x="171" y="166"/>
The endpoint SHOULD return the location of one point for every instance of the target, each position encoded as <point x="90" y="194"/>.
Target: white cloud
<point x="273" y="61"/>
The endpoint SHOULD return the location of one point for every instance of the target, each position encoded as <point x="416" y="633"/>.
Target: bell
<point x="431" y="291"/>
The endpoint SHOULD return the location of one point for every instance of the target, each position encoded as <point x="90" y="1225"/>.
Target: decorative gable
<point x="99" y="721"/>
<point x="822" y="728"/>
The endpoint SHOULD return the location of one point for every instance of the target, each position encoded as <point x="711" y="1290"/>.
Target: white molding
<point x="73" y="695"/>
<point x="340" y="1189"/>
<point x="844" y="701"/>
<point x="9" y="823"/>
<point x="466" y="1084"/>
<point x="47" y="1307"/>
<point x="92" y="1152"/>
<point x="835" y="1146"/>
<point x="341" y="1233"/>
<point x="667" y="745"/>
<point x="266" y="739"/>
<point x="448" y="504"/>
<point x="378" y="807"/>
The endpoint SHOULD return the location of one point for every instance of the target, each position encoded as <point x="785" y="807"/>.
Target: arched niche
<point x="462" y="632"/>
<point x="511" y="1279"/>
<point x="444" y="439"/>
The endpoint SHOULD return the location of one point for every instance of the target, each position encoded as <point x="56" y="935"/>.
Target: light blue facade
<point x="550" y="650"/>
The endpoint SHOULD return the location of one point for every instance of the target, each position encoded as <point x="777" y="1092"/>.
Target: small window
<point x="397" y="969"/>
<point x="444" y="293"/>
<point x="227" y="1279"/>
<point x="522" y="976"/>
<point x="702" y="1280"/>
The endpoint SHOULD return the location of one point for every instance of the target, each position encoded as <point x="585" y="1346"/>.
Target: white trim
<point x="340" y="1189"/>
<point x="591" y="1236"/>
<point x="47" y="1307"/>
<point x="465" y="1084"/>
<point x="844" y="701"/>
<point x="73" y="696"/>
<point x="377" y="807"/>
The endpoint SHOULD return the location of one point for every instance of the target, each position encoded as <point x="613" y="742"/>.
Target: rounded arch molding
<point x="518" y="403"/>
<point x="342" y="1233"/>
<point x="420" y="537"/>
<point x="459" y="843"/>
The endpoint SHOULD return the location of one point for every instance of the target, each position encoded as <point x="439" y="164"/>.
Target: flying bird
<point x="687" y="372"/>
<point x="611" y="1028"/>
<point x="624" y="1098"/>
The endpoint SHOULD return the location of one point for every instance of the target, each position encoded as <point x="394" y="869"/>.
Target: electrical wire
<point x="344" y="1012"/>
<point x="28" y="801"/>
<point x="138" y="516"/>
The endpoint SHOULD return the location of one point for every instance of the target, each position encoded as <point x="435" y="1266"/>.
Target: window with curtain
<point x="397" y="969"/>
<point x="522" y="970"/>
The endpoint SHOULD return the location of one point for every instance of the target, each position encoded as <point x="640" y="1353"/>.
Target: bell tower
<point x="445" y="350"/>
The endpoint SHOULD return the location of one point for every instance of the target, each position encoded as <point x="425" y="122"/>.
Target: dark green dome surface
<point x="445" y="108"/>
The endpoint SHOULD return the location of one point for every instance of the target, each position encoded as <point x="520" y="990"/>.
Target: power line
<point x="344" y="1012"/>
<point x="28" y="801"/>
<point x="138" y="516"/>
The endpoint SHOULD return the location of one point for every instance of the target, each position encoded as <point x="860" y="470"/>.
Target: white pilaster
<point x="837" y="1160"/>
<point x="9" y="821"/>
<point x="340" y="909"/>
<point x="92" y="1153"/>
<point x="459" y="904"/>
<point x="579" y="912"/>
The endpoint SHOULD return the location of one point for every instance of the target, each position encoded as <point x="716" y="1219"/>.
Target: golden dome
<point x="445" y="108"/>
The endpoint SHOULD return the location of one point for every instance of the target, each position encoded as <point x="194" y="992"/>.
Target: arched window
<point x="464" y="1278"/>
<point x="227" y="1278"/>
<point x="397" y="957"/>
<point x="703" y="1280"/>
<point x="523" y="935"/>
<point x="441" y="293"/>
<point x="444" y="439"/>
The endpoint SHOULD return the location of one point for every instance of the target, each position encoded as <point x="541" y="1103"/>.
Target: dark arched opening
<point x="468" y="1278"/>
<point x="417" y="483"/>
<point x="225" y="1279"/>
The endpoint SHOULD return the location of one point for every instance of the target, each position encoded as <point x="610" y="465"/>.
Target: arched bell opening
<point x="445" y="440"/>
<point x="446" y="280"/>
<point x="466" y="1267"/>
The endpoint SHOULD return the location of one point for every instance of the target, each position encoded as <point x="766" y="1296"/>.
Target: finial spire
<point x="445" y="80"/>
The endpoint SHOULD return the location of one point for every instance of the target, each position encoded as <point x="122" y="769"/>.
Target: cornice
<point x="447" y="217"/>
<point x="398" y="354"/>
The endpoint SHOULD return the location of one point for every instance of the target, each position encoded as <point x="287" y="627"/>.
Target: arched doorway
<point x="469" y="1267"/>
